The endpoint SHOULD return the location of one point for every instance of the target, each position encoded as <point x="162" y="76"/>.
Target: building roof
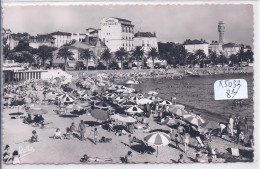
<point x="228" y="45"/>
<point x="194" y="42"/>
<point x="120" y="19"/>
<point x="144" y="34"/>
<point x="60" y="33"/>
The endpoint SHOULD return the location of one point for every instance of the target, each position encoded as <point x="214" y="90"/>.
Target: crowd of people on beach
<point x="103" y="88"/>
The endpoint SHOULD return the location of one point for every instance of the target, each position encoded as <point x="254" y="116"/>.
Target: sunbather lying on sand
<point x="86" y="159"/>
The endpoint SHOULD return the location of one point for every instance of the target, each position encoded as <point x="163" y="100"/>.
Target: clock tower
<point x="221" y="30"/>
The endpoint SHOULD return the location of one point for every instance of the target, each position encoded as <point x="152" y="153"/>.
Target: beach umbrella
<point x="179" y="112"/>
<point x="129" y="90"/>
<point x="210" y="125"/>
<point x="112" y="88"/>
<point x="178" y="106"/>
<point x="165" y="102"/>
<point x="120" y="98"/>
<point x="126" y="119"/>
<point x="152" y="93"/>
<point x="194" y="119"/>
<point x="99" y="114"/>
<point x="157" y="139"/>
<point x="144" y="101"/>
<point x="85" y="96"/>
<point x="126" y="103"/>
<point x="101" y="105"/>
<point x="37" y="111"/>
<point x="111" y="95"/>
<point x="67" y="98"/>
<point x="134" y="110"/>
<point x="17" y="103"/>
<point x="74" y="107"/>
<point x="67" y="89"/>
<point x="134" y="98"/>
<point x="130" y="82"/>
<point x="172" y="122"/>
<point x="153" y="98"/>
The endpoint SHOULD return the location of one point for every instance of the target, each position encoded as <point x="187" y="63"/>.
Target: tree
<point x="234" y="59"/>
<point x="86" y="55"/>
<point x="121" y="54"/>
<point x="213" y="57"/>
<point x="191" y="58"/>
<point x="106" y="56"/>
<point x="45" y="53"/>
<point x="153" y="54"/>
<point x="201" y="54"/>
<point x="138" y="54"/>
<point x="65" y="54"/>
<point x="22" y="46"/>
<point x="222" y="59"/>
<point x="250" y="55"/>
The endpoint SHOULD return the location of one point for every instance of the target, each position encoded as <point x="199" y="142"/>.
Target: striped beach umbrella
<point x="194" y="119"/>
<point x="157" y="139"/>
<point x="179" y="112"/>
<point x="165" y="102"/>
<point x="134" y="110"/>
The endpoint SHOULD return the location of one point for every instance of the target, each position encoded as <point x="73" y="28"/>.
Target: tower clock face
<point x="221" y="28"/>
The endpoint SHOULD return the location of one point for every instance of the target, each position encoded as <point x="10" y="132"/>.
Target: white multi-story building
<point x="193" y="46"/>
<point x="80" y="37"/>
<point x="61" y="38"/>
<point x="40" y="40"/>
<point x="117" y="33"/>
<point x="147" y="40"/>
<point x="231" y="48"/>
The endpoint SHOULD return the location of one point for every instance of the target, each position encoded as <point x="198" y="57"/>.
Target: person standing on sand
<point x="96" y="135"/>
<point x="231" y="125"/>
<point x="186" y="142"/>
<point x="82" y="130"/>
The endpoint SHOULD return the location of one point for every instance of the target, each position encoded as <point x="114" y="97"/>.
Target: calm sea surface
<point x="198" y="93"/>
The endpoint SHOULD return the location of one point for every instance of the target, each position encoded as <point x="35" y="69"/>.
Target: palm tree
<point x="65" y="54"/>
<point x="106" y="56"/>
<point x="86" y="55"/>
<point x="222" y="59"/>
<point x="153" y="54"/>
<point x="121" y="54"/>
<point x="234" y="59"/>
<point x="191" y="58"/>
<point x="213" y="57"/>
<point x="138" y="54"/>
<point x="201" y="54"/>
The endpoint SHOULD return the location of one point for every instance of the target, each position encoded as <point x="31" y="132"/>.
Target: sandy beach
<point x="16" y="134"/>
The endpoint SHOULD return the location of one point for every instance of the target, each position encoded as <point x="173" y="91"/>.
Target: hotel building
<point x="117" y="33"/>
<point x="61" y="38"/>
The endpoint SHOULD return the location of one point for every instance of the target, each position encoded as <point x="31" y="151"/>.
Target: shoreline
<point x="171" y="73"/>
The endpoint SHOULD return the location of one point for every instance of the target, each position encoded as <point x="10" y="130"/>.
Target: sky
<point x="172" y="23"/>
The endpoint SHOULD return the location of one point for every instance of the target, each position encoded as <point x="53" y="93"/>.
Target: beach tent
<point x="157" y="139"/>
<point x="194" y="119"/>
<point x="126" y="103"/>
<point x="134" y="110"/>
